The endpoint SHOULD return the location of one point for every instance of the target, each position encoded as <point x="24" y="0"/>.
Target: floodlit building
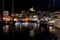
<point x="5" y="13"/>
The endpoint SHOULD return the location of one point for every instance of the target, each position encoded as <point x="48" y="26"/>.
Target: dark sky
<point x="58" y="3"/>
<point x="26" y="4"/>
<point x="0" y="6"/>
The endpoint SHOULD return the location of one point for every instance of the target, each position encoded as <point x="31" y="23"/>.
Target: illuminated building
<point x="5" y="13"/>
<point x="6" y="16"/>
<point x="56" y="14"/>
<point x="31" y="9"/>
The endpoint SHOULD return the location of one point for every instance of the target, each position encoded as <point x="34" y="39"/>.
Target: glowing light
<point x="51" y="29"/>
<point x="52" y="21"/>
<point x="6" y="18"/>
<point x="26" y="23"/>
<point x="32" y="9"/>
<point x="6" y="28"/>
<point x="32" y="33"/>
<point x="15" y="19"/>
<point x="17" y="23"/>
<point x="35" y="19"/>
<point x="26" y="19"/>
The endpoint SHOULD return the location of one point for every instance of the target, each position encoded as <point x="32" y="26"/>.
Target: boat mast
<point x="12" y="6"/>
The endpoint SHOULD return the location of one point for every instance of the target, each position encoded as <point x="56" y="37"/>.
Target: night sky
<point x="58" y="3"/>
<point x="26" y="4"/>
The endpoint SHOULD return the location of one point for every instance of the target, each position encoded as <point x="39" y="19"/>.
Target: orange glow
<point x="6" y="18"/>
<point x="15" y="19"/>
<point x="26" y="19"/>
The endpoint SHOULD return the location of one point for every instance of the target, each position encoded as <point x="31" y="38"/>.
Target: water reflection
<point x="27" y="31"/>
